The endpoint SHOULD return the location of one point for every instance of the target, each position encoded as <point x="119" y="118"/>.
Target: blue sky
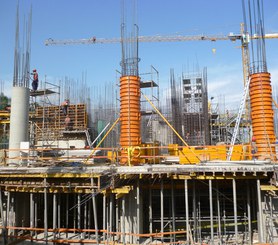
<point x="72" y="19"/>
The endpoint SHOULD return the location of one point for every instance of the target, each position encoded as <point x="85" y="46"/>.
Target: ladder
<point x="238" y="119"/>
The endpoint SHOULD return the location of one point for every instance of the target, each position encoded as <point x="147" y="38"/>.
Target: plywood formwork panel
<point x="52" y="121"/>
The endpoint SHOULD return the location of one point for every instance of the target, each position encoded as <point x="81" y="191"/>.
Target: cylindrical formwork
<point x="19" y="121"/>
<point x="262" y="115"/>
<point x="130" y="118"/>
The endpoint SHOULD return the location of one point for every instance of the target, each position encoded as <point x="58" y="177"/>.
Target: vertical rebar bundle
<point x="176" y="106"/>
<point x="130" y="116"/>
<point x="22" y="60"/>
<point x="262" y="114"/>
<point x="255" y="17"/>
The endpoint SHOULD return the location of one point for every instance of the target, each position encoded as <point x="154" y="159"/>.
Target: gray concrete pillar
<point x="19" y="121"/>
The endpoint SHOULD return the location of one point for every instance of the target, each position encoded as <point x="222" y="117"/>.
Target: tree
<point x="4" y="101"/>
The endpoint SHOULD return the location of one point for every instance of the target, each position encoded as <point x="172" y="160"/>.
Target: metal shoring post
<point x="162" y="210"/>
<point x="4" y="224"/>
<point x="123" y="219"/>
<point x="111" y="208"/>
<point x="32" y="214"/>
<point x="45" y="213"/>
<point x="59" y="213"/>
<point x="95" y="211"/>
<point x="194" y="210"/>
<point x="249" y="213"/>
<point x="8" y="212"/>
<point x="85" y="219"/>
<point x="117" y="219"/>
<point x="138" y="210"/>
<point x="150" y="213"/>
<point x="89" y="218"/>
<point x="224" y="225"/>
<point x="67" y="215"/>
<point x="260" y="223"/>
<point x="79" y="214"/>
<point x="211" y="212"/>
<point x="218" y="213"/>
<point x="12" y="220"/>
<point x="271" y="217"/>
<point x="104" y="215"/>
<point x="36" y="213"/>
<point x="200" y="220"/>
<point x="131" y="224"/>
<point x="173" y="210"/>
<point x="186" y="210"/>
<point x="235" y="210"/>
<point x="54" y="215"/>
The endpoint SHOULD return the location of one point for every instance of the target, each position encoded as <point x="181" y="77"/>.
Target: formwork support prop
<point x="211" y="212"/>
<point x="235" y="210"/>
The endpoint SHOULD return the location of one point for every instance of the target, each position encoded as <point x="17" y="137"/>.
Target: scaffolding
<point x="42" y="131"/>
<point x="195" y="108"/>
<point x="149" y="86"/>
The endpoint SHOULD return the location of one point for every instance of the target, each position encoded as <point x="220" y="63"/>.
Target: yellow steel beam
<point x="120" y="192"/>
<point x="57" y="189"/>
<point x="269" y="188"/>
<point x="51" y="175"/>
<point x="5" y="121"/>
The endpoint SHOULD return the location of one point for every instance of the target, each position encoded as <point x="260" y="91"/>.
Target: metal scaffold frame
<point x="41" y="119"/>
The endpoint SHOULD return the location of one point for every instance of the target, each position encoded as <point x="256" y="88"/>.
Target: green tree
<point x="4" y="101"/>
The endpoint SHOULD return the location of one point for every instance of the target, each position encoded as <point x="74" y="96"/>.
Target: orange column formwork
<point x="130" y="118"/>
<point x="262" y="115"/>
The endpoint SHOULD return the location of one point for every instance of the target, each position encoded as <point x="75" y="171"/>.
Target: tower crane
<point x="178" y="38"/>
<point x="243" y="36"/>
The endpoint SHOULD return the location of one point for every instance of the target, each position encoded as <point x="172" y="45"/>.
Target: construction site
<point x="131" y="169"/>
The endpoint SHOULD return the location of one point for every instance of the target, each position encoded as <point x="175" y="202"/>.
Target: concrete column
<point x="19" y="121"/>
<point x="131" y="215"/>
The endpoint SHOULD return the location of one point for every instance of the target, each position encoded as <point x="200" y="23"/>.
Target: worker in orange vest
<point x="35" y="82"/>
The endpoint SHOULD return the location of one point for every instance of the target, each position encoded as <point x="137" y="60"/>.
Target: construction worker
<point x="254" y="149"/>
<point x="35" y="82"/>
<point x="67" y="122"/>
<point x="65" y="106"/>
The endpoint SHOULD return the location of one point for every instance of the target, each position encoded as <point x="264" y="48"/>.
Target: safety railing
<point x="146" y="154"/>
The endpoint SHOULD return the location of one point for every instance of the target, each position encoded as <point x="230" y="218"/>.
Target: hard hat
<point x="34" y="70"/>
